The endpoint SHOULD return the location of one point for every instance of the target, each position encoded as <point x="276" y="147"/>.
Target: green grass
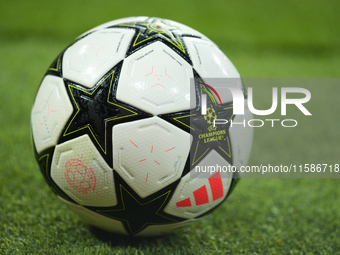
<point x="262" y="216"/>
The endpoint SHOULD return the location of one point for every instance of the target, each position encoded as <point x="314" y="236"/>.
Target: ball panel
<point x="51" y="110"/>
<point x="156" y="79"/>
<point x="183" y="29"/>
<point x="80" y="171"/>
<point x="149" y="154"/>
<point x="96" y="219"/>
<point x="86" y="61"/>
<point x="241" y="137"/>
<point x="210" y="62"/>
<point x="199" y="192"/>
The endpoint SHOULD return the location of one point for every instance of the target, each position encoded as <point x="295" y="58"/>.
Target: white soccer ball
<point x="118" y="130"/>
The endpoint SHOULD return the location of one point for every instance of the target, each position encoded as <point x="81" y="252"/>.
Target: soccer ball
<point x="118" y="130"/>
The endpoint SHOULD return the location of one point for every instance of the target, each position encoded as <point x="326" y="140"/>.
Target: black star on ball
<point x="155" y="29"/>
<point x="96" y="111"/>
<point x="136" y="212"/>
<point x="137" y="215"/>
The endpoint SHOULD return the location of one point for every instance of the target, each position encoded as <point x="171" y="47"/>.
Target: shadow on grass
<point x="115" y="240"/>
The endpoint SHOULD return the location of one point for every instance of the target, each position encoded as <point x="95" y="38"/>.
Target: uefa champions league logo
<point x="239" y="105"/>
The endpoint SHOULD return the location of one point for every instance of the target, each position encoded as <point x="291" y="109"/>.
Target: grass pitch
<point x="262" y="216"/>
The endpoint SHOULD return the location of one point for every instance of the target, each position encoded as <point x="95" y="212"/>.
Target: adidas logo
<point x="201" y="194"/>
